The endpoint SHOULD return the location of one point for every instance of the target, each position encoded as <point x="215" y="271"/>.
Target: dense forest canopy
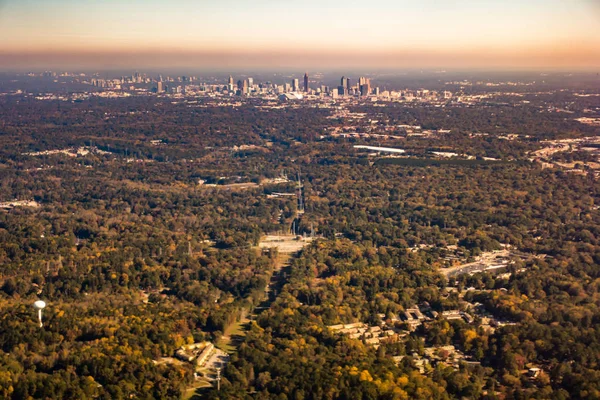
<point x="145" y="217"/>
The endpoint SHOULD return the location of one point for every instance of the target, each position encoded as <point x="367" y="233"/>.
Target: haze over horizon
<point x="553" y="34"/>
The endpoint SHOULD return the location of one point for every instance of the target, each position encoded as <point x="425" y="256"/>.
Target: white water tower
<point x="39" y="306"/>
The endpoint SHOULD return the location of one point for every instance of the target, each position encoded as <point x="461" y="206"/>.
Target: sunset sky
<point x="307" y="33"/>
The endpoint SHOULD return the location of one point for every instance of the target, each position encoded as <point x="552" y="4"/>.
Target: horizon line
<point x="571" y="57"/>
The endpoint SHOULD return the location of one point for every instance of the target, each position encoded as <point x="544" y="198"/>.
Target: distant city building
<point x="290" y="96"/>
<point x="365" y="90"/>
<point x="296" y="85"/>
<point x="364" y="86"/>
<point x="306" y="82"/>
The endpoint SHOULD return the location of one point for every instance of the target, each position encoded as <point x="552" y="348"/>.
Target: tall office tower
<point x="306" y="81"/>
<point x="245" y="87"/>
<point x="296" y="85"/>
<point x="287" y="87"/>
<point x="344" y="82"/>
<point x="230" y="80"/>
<point x="348" y="86"/>
<point x="364" y="90"/>
<point x="240" y="84"/>
<point x="250" y="82"/>
<point x="341" y="90"/>
<point x="159" y="87"/>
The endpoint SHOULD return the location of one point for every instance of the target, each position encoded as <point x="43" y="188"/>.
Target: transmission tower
<point x="300" y="196"/>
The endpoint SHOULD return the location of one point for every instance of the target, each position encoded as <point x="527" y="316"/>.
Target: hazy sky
<point x="302" y="33"/>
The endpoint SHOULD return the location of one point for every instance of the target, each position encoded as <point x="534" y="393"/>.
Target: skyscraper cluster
<point x="247" y="86"/>
<point x="293" y="88"/>
<point x="362" y="88"/>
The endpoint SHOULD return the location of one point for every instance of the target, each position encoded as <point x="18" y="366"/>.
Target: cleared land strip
<point x="286" y="244"/>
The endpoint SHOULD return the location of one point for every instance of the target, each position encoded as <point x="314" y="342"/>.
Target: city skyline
<point x="555" y="34"/>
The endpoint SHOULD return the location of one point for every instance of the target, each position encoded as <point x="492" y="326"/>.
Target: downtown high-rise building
<point x="306" y="81"/>
<point x="295" y="85"/>
<point x="343" y="88"/>
<point x="344" y="81"/>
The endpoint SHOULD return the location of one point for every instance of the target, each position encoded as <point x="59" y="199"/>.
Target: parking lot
<point x="218" y="360"/>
